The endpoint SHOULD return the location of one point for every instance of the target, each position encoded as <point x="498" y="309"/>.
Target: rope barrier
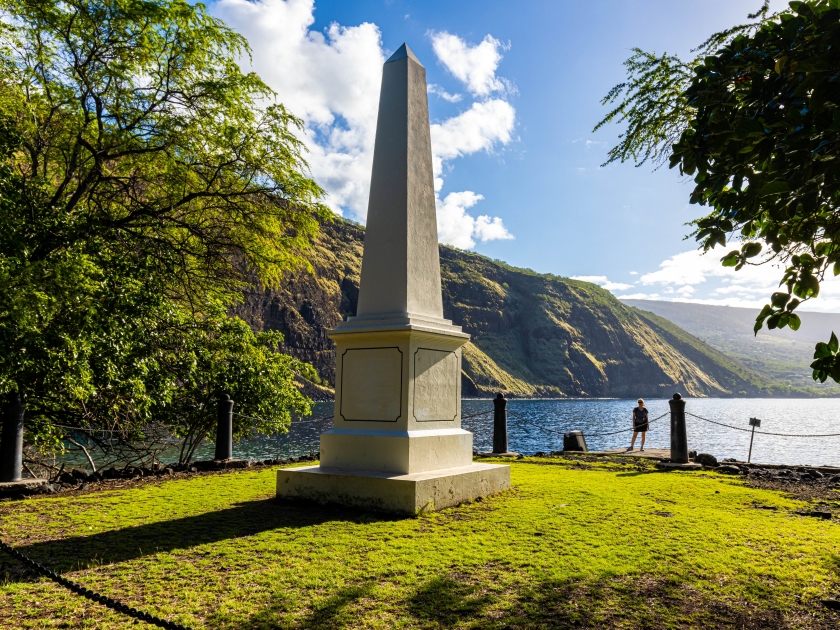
<point x="78" y="589"/>
<point x="513" y="413"/>
<point x="729" y="426"/>
<point x="510" y="411"/>
<point x="476" y="415"/>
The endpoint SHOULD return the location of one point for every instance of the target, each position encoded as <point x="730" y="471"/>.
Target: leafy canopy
<point x="145" y="180"/>
<point x="758" y="127"/>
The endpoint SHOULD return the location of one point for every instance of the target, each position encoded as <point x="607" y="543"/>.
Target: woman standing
<point x="640" y="424"/>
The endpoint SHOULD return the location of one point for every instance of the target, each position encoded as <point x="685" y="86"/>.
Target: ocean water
<point x="795" y="416"/>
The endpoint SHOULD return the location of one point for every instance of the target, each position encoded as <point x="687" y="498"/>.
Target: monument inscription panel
<point x="436" y="374"/>
<point x="371" y="384"/>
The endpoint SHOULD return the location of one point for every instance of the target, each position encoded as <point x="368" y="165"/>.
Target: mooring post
<point x="679" y="439"/>
<point x="754" y="422"/>
<point x="500" y="436"/>
<point x="11" y="440"/>
<point x="224" y="429"/>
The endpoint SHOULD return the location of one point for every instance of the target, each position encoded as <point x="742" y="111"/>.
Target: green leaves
<point x="145" y="181"/>
<point x="731" y="259"/>
<point x="779" y="300"/>
<point x="750" y="250"/>
<point x="773" y="188"/>
<point x="761" y="135"/>
<point x="653" y="105"/>
<point x="827" y="360"/>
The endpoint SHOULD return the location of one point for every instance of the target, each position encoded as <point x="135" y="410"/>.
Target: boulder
<point x="81" y="475"/>
<point x="728" y="469"/>
<point x="706" y="459"/>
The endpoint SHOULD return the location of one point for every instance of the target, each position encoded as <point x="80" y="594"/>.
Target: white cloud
<point x="331" y="79"/>
<point x="432" y="88"/>
<point x="456" y="227"/>
<point x="696" y="277"/>
<point x="474" y="65"/>
<point x="480" y="128"/>
<point x="487" y="229"/>
<point x="604" y="283"/>
<point x="641" y="296"/>
<point x="634" y="273"/>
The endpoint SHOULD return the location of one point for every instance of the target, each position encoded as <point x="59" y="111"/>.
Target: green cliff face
<point x="532" y="334"/>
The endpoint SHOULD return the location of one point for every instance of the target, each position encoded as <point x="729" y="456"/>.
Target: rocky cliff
<point x="532" y="334"/>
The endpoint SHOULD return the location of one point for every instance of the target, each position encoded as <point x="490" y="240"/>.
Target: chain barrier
<point x="729" y="426"/>
<point x="78" y="589"/>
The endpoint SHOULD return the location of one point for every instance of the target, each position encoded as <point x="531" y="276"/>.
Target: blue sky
<point x="516" y="93"/>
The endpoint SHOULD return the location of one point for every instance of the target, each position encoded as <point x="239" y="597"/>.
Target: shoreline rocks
<point x="77" y="480"/>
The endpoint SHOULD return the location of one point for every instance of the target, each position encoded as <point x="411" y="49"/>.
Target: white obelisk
<point x="396" y="442"/>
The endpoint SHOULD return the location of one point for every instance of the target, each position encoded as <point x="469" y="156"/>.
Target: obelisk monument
<point x="397" y="442"/>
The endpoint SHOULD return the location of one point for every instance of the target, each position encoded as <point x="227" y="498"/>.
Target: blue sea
<point x="795" y="416"/>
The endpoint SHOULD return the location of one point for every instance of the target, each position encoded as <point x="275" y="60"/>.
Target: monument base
<point x="387" y="492"/>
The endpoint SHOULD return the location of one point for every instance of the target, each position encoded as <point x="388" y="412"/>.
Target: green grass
<point x="566" y="547"/>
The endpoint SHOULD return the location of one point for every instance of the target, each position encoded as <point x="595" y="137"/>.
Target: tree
<point x="757" y="125"/>
<point x="145" y="181"/>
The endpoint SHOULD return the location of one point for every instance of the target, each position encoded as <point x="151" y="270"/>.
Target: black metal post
<point x="224" y="430"/>
<point x="679" y="439"/>
<point x="500" y="437"/>
<point x="752" y="436"/>
<point x="754" y="422"/>
<point x="11" y="440"/>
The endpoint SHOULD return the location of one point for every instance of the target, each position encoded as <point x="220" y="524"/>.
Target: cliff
<point x="532" y="334"/>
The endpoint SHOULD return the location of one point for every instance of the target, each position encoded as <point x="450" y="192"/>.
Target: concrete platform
<point x="387" y="492"/>
<point x="24" y="485"/>
<point x="675" y="466"/>
<point x="649" y="453"/>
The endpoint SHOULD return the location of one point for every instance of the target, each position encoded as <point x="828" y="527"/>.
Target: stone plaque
<point x="371" y="384"/>
<point x="436" y="375"/>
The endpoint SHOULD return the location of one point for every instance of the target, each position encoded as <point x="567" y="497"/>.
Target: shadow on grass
<point x="447" y="601"/>
<point x="130" y="543"/>
<point x="478" y="601"/>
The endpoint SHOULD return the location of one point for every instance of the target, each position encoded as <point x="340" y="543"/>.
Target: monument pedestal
<point x="396" y="442"/>
<point x="387" y="492"/>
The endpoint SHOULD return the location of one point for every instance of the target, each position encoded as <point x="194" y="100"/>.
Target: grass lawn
<point x="603" y="545"/>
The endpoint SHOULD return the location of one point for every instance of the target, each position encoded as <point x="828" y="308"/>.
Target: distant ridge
<point x="533" y="335"/>
<point x="783" y="355"/>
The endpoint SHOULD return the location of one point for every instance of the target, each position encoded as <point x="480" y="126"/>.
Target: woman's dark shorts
<point x="641" y="427"/>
